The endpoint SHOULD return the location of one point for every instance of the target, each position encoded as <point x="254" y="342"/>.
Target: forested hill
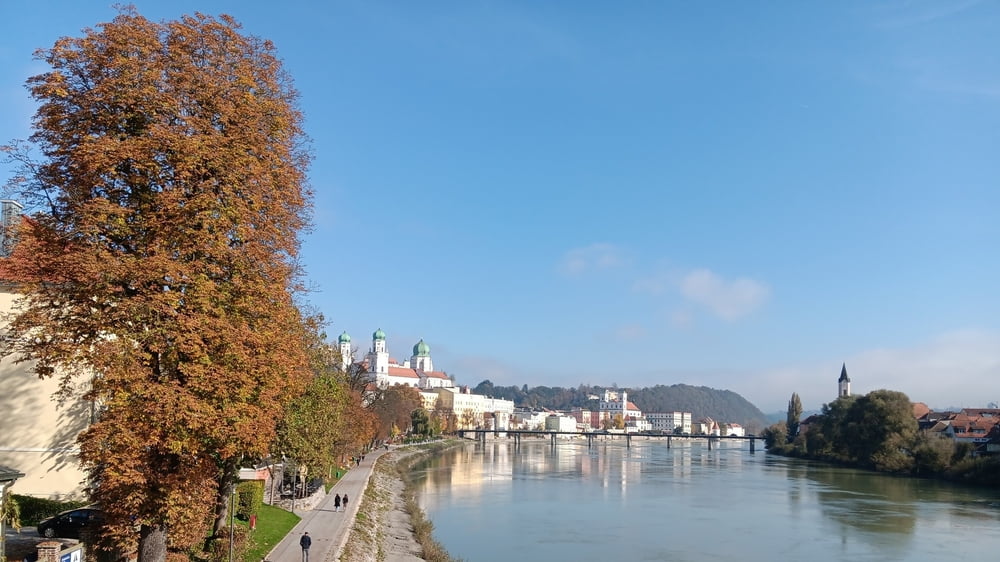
<point x="701" y="401"/>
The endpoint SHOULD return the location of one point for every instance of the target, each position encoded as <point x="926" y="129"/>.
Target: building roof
<point x="421" y="349"/>
<point x="920" y="410"/>
<point x="810" y="420"/>
<point x="843" y="374"/>
<point x="379" y="335"/>
<point x="9" y="474"/>
<point x="982" y="412"/>
<point x="403" y="372"/>
<point x="344" y="338"/>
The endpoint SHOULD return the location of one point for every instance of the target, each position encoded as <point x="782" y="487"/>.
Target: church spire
<point x="844" y="383"/>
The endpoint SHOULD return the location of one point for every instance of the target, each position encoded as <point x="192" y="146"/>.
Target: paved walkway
<point x="328" y="528"/>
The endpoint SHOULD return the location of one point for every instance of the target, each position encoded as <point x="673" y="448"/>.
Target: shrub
<point x="10" y="514"/>
<point x="219" y="551"/>
<point x="34" y="509"/>
<point x="250" y="496"/>
<point x="932" y="454"/>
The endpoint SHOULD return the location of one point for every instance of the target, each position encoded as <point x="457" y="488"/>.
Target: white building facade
<point x="384" y="371"/>
<point x="558" y="422"/>
<point x="669" y="422"/>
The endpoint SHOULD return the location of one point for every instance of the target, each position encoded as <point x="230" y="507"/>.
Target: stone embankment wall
<point x="307" y="503"/>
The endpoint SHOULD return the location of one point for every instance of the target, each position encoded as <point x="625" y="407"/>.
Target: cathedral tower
<point x="421" y="359"/>
<point x="346" y="357"/>
<point x="378" y="357"/>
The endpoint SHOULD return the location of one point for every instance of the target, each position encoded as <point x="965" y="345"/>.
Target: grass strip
<point x="273" y="524"/>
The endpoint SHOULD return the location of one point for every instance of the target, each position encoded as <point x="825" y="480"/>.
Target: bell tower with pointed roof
<point x="843" y="383"/>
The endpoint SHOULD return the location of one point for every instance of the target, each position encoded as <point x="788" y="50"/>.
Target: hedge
<point x="250" y="496"/>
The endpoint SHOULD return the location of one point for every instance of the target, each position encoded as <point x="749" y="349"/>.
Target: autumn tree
<point x="468" y="419"/>
<point x="445" y="420"/>
<point x="163" y="266"/>
<point x="327" y="421"/>
<point x="394" y="406"/>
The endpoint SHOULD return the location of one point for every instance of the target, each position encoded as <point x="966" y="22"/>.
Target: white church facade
<point x="437" y="389"/>
<point x="385" y="371"/>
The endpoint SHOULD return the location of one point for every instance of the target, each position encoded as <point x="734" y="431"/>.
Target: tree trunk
<point x="223" y="496"/>
<point x="153" y="543"/>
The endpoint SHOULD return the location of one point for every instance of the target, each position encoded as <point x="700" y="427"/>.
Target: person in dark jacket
<point x="345" y="502"/>
<point x="336" y="502"/>
<point x="305" y="542"/>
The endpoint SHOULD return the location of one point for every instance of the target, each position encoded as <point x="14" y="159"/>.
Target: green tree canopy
<point x="794" y="413"/>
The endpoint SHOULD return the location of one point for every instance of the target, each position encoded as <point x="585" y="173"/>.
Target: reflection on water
<point x="647" y="502"/>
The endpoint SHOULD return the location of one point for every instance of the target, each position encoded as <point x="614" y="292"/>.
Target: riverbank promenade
<point x="327" y="528"/>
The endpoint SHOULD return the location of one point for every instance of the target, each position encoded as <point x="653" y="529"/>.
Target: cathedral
<point x="385" y="371"/>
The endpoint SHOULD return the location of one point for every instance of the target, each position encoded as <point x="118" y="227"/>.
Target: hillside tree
<point x="162" y="264"/>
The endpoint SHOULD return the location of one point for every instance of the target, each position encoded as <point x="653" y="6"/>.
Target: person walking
<point x="345" y="502"/>
<point x="305" y="542"/>
<point x="336" y="502"/>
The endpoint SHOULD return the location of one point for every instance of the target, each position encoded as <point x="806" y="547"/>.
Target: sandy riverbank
<point x="383" y="530"/>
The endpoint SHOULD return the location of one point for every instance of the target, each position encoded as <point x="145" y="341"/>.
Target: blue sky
<point x="742" y="195"/>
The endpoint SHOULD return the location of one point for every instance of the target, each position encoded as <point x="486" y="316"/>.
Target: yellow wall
<point x="38" y="433"/>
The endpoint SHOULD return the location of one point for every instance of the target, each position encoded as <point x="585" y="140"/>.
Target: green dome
<point x="379" y="335"/>
<point x="344" y="338"/>
<point x="422" y="349"/>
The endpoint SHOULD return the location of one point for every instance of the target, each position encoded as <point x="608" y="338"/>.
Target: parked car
<point x="71" y="523"/>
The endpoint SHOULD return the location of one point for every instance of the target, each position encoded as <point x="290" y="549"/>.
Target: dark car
<point x="72" y="523"/>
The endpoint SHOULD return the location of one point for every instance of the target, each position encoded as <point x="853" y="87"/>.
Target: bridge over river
<point x="591" y="436"/>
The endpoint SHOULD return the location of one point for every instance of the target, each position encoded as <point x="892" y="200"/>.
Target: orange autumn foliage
<point x="163" y="265"/>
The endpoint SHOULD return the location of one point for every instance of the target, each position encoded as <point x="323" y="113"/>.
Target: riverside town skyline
<point x="742" y="198"/>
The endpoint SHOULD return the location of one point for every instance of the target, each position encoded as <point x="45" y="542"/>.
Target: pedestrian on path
<point x="305" y="542"/>
<point x="345" y="502"/>
<point x="336" y="502"/>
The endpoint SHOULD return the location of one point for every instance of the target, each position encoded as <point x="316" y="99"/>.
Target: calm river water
<point x="493" y="502"/>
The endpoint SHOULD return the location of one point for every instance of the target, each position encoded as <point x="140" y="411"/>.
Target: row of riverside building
<point x="474" y="411"/>
<point x="39" y="433"/>
<point x="616" y="413"/>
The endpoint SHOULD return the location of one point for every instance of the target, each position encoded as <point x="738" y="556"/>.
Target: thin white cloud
<point x="919" y="12"/>
<point x="728" y="300"/>
<point x="596" y="257"/>
<point x="656" y="284"/>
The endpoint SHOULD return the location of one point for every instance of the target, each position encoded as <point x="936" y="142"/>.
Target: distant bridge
<point x="517" y="434"/>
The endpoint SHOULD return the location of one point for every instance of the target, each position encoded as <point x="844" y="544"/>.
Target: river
<point x="494" y="502"/>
